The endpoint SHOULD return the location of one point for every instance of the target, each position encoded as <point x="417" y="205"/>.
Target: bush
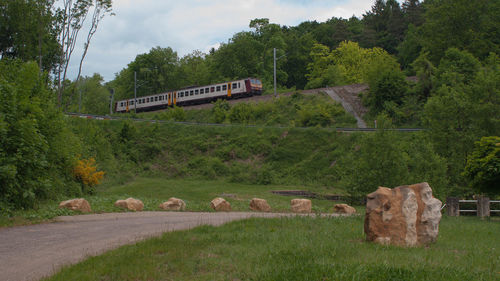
<point x="36" y="148"/>
<point x="483" y="166"/>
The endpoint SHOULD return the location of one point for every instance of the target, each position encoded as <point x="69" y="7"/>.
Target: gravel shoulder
<point x="35" y="251"/>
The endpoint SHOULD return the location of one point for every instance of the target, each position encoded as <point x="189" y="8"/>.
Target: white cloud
<point x="190" y="25"/>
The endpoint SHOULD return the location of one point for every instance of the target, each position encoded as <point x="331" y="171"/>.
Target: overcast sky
<point x="188" y="25"/>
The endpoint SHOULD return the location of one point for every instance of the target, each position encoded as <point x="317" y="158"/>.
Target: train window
<point x="218" y="88"/>
<point x="156" y="98"/>
<point x="196" y="92"/>
<point x="235" y="85"/>
<point x="121" y="103"/>
<point x="207" y="90"/>
<point x="131" y="102"/>
<point x="191" y="92"/>
<point x="181" y="94"/>
<point x="212" y="89"/>
<point x="143" y="100"/>
<point x="202" y="91"/>
<point x="239" y="85"/>
<point x="224" y="87"/>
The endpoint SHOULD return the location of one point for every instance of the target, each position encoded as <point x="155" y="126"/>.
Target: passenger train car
<point x="193" y="95"/>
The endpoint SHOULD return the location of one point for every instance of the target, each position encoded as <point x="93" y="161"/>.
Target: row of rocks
<point x="405" y="216"/>
<point x="132" y="204"/>
<point x="218" y="204"/>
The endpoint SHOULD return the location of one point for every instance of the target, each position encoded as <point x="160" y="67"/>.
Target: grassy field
<point x="299" y="249"/>
<point x="196" y="193"/>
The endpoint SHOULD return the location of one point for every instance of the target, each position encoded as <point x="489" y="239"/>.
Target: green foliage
<point x="347" y="64"/>
<point x="295" y="110"/>
<point x="389" y="159"/>
<point x="220" y="110"/>
<point x="385" y="25"/>
<point x="483" y="165"/>
<point x="464" y="106"/>
<point x="27" y="32"/>
<point x="319" y="115"/>
<point x="241" y="113"/>
<point x="387" y="90"/>
<point x="467" y="25"/>
<point x="37" y="150"/>
<point x="95" y="97"/>
<point x="173" y="113"/>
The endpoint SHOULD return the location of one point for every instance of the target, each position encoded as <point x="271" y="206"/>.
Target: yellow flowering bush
<point x="86" y="172"/>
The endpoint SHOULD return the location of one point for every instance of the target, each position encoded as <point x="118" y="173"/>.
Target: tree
<point x="414" y="12"/>
<point x="71" y="19"/>
<point x="95" y="97"/>
<point x="194" y="69"/>
<point x="464" y="106"/>
<point x="27" y="32"/>
<point x="483" y="165"/>
<point x="36" y="148"/>
<point x="385" y="23"/>
<point x="463" y="24"/>
<point x="387" y="159"/>
<point x="298" y="49"/>
<point x="157" y="71"/>
<point x="347" y="64"/>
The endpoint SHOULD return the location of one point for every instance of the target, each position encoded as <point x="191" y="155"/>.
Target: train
<point x="192" y="95"/>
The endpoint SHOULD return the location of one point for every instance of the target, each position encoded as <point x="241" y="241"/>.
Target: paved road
<point x="32" y="252"/>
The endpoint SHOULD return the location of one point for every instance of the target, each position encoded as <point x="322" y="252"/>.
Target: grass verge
<point x="196" y="193"/>
<point x="301" y="248"/>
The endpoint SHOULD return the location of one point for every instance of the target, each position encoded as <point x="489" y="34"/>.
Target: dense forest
<point x="451" y="46"/>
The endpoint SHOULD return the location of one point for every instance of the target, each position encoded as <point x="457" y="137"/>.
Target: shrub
<point x="36" y="147"/>
<point x="85" y="171"/>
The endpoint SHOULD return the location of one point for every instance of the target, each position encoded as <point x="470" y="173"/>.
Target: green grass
<point x="196" y="193"/>
<point x="301" y="248"/>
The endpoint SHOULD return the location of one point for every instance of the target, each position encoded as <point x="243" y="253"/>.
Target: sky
<point x="189" y="25"/>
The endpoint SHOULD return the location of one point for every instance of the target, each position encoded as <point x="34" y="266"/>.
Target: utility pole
<point x="135" y="92"/>
<point x="274" y="55"/>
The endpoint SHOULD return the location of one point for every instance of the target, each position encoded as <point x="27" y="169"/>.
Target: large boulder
<point x="260" y="205"/>
<point x="220" y="205"/>
<point x="79" y="204"/>
<point x="173" y="204"/>
<point x="301" y="205"/>
<point x="344" y="209"/>
<point x="405" y="216"/>
<point x="130" y="204"/>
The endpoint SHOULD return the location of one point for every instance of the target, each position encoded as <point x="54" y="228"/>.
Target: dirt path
<point x="36" y="251"/>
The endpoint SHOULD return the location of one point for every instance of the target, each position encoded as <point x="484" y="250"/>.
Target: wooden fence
<point x="483" y="206"/>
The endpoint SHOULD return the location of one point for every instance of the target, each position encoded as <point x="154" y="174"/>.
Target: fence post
<point x="483" y="206"/>
<point x="452" y="207"/>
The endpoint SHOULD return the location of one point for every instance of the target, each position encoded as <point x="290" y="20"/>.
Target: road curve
<point x="33" y="252"/>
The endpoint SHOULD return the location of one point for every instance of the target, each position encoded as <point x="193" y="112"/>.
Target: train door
<point x="127" y="108"/>
<point x="169" y="99"/>
<point x="175" y="98"/>
<point x="228" y="90"/>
